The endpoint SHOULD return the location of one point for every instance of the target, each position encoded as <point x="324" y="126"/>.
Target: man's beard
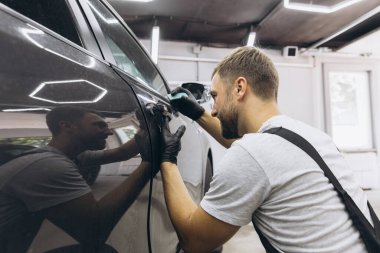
<point x="228" y="117"/>
<point x="94" y="143"/>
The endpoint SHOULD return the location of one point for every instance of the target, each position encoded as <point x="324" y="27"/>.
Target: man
<point x="46" y="184"/>
<point x="262" y="177"/>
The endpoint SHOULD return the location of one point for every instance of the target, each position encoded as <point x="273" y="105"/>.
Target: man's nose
<point x="109" y="132"/>
<point x="213" y="111"/>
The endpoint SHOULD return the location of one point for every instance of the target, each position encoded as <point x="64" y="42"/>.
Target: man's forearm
<point x="122" y="153"/>
<point x="178" y="200"/>
<point x="212" y="126"/>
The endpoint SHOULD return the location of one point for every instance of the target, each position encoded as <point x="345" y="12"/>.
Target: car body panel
<point x="40" y="69"/>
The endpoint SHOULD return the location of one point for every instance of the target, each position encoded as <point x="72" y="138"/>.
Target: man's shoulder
<point x="254" y="139"/>
<point x="261" y="147"/>
<point x="36" y="165"/>
<point x="253" y="146"/>
<point x="36" y="158"/>
<point x="43" y="154"/>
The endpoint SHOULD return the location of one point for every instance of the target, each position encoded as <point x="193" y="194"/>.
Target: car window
<point x="128" y="55"/>
<point x="55" y="15"/>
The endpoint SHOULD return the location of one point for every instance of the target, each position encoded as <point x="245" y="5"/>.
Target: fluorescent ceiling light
<point x="155" y="41"/>
<point x="319" y="8"/>
<point x="348" y="27"/>
<point x="251" y="39"/>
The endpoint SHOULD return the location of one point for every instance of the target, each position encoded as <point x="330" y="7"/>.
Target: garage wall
<point x="184" y="62"/>
<point x="301" y="91"/>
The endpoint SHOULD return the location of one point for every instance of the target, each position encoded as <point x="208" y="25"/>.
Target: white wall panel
<point x="178" y="71"/>
<point x="295" y="97"/>
<point x="300" y="96"/>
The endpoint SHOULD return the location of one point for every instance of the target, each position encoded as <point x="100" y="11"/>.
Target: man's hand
<point x="188" y="106"/>
<point x="171" y="142"/>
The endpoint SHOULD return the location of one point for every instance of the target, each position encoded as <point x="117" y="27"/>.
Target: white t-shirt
<point x="265" y="177"/>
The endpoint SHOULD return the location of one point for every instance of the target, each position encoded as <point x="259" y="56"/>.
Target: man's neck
<point x="70" y="150"/>
<point x="253" y="119"/>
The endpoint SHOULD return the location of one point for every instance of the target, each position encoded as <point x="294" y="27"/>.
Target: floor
<point x="247" y="241"/>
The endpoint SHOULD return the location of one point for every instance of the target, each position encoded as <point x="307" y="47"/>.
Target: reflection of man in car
<point x="46" y="183"/>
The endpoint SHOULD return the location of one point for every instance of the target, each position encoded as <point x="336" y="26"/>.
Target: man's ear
<point x="66" y="126"/>
<point x="240" y="87"/>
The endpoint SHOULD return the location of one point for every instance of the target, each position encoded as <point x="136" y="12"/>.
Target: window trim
<point x="85" y="33"/>
<point x="99" y="36"/>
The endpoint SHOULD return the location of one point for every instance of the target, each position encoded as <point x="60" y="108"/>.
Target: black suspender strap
<point x="264" y="241"/>
<point x="370" y="235"/>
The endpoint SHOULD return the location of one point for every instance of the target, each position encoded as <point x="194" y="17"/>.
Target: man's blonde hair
<point x="252" y="64"/>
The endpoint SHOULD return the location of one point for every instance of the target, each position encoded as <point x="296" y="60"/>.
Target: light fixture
<point x="251" y="37"/>
<point x="317" y="7"/>
<point x="155" y="41"/>
<point x="347" y="27"/>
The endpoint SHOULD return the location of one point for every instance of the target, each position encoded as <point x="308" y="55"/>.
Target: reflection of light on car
<point x="102" y="92"/>
<point x="28" y="32"/>
<point x="146" y="99"/>
<point x="107" y="20"/>
<point x="141" y="80"/>
<point x="26" y="109"/>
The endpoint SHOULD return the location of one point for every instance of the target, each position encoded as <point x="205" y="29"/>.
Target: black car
<point x="80" y="52"/>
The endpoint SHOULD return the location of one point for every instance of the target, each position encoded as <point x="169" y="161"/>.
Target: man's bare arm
<point x="122" y="153"/>
<point x="212" y="126"/>
<point x="197" y="230"/>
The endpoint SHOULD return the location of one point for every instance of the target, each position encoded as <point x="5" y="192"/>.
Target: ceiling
<point x="226" y="23"/>
<point x="367" y="46"/>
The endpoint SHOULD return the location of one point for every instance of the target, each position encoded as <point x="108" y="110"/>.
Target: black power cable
<point x="156" y="111"/>
<point x="159" y="112"/>
<point x="148" y="213"/>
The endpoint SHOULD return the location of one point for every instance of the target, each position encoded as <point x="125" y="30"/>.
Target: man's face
<point x="92" y="131"/>
<point x="224" y="108"/>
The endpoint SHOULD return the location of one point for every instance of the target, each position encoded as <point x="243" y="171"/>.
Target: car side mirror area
<point x="199" y="91"/>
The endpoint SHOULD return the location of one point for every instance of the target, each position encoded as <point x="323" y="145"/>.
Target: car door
<point x="46" y="62"/>
<point x="131" y="62"/>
